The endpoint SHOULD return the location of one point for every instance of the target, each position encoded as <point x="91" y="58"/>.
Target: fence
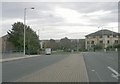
<point x="12" y="54"/>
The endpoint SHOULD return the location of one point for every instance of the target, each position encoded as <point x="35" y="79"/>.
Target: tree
<point x="51" y="44"/>
<point x="117" y="46"/>
<point x="16" y="36"/>
<point x="97" y="47"/>
<point x="65" y="44"/>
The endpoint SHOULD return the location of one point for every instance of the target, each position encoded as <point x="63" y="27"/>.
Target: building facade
<point x="6" y="46"/>
<point x="104" y="38"/>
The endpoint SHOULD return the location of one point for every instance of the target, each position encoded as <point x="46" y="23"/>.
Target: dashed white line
<point x="98" y="76"/>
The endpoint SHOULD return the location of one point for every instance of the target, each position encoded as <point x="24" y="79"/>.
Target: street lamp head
<point x="32" y="8"/>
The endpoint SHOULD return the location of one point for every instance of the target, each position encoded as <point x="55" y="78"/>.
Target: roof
<point x="58" y="40"/>
<point x="102" y="32"/>
<point x="5" y="36"/>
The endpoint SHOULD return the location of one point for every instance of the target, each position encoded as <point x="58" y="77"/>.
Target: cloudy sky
<point x="56" y="20"/>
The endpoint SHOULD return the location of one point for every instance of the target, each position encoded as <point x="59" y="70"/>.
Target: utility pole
<point x="25" y="25"/>
<point x="39" y="39"/>
<point x="111" y="34"/>
<point x="102" y="36"/>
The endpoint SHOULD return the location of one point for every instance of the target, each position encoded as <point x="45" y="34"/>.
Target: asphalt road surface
<point x="14" y="70"/>
<point x="101" y="66"/>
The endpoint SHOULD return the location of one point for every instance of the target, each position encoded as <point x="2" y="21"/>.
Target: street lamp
<point x="112" y="34"/>
<point x="102" y="35"/>
<point x="25" y="24"/>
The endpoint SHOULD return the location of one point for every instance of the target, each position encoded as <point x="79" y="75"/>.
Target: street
<point x="69" y="67"/>
<point x="101" y="66"/>
<point x="14" y="70"/>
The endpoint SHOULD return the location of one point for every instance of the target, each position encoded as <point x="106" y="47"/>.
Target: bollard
<point x="104" y="50"/>
<point x="116" y="49"/>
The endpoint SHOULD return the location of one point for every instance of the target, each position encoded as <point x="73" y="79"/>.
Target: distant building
<point x="102" y="37"/>
<point x="43" y="43"/>
<point x="77" y="44"/>
<point x="6" y="45"/>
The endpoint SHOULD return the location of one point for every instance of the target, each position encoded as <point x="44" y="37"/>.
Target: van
<point x="48" y="51"/>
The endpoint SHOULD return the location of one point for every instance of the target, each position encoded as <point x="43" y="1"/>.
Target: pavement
<point x="17" y="58"/>
<point x="70" y="69"/>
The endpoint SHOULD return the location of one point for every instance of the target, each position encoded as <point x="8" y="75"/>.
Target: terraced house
<point x="104" y="38"/>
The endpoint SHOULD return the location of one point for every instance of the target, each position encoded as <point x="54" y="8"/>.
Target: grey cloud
<point x="15" y="10"/>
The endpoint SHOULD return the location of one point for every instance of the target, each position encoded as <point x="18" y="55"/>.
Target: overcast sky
<point x="56" y="20"/>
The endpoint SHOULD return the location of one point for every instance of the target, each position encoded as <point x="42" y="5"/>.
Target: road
<point x="97" y="66"/>
<point x="14" y="70"/>
<point x="101" y="66"/>
<point x="69" y="67"/>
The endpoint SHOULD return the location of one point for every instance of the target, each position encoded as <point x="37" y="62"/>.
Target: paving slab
<point x="70" y="69"/>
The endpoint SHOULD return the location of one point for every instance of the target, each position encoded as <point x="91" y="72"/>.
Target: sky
<point x="56" y="20"/>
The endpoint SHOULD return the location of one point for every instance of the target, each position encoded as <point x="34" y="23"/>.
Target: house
<point x="6" y="46"/>
<point x="104" y="38"/>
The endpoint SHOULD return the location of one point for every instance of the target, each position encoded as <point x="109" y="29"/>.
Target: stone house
<point x="102" y="37"/>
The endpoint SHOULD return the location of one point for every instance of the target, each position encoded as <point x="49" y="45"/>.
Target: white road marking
<point x="97" y="75"/>
<point x="116" y="74"/>
<point x="17" y="58"/>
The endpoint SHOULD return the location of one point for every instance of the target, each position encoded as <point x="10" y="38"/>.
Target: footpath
<point x="17" y="58"/>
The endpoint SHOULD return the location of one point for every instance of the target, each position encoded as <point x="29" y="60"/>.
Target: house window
<point x="114" y="35"/>
<point x="108" y="36"/>
<point x="108" y="41"/>
<point x="93" y="36"/>
<point x="87" y="42"/>
<point x="92" y="42"/>
<point x="101" y="36"/>
<point x="116" y="41"/>
<point x="101" y="41"/>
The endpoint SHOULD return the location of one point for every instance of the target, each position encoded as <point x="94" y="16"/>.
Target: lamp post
<point x="101" y="30"/>
<point x="102" y="35"/>
<point x="25" y="24"/>
<point x="112" y="35"/>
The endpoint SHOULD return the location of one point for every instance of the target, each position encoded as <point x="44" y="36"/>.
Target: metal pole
<point x="24" y="27"/>
<point x="102" y="35"/>
<point x="38" y="33"/>
<point x="103" y="38"/>
<point x="39" y="40"/>
<point x="112" y="37"/>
